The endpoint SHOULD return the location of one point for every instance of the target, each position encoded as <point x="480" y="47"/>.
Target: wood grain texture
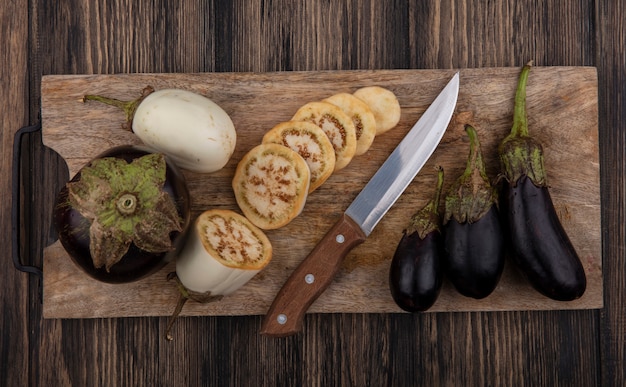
<point x="612" y="40"/>
<point x="581" y="347"/>
<point x="14" y="298"/>
<point x="562" y="110"/>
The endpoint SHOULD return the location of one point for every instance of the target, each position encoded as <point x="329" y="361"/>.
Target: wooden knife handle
<point x="311" y="278"/>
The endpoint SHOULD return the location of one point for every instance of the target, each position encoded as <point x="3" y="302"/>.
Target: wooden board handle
<point x="311" y="278"/>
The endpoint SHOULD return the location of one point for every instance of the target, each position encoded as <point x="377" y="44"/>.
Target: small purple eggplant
<point x="473" y="238"/>
<point x="415" y="275"/>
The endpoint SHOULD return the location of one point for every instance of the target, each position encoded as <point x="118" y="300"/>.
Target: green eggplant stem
<point x="184" y="296"/>
<point x="520" y="154"/>
<point x="128" y="107"/>
<point x="427" y="219"/>
<point x="475" y="159"/>
<point x="179" y="307"/>
<point x="182" y="300"/>
<point x="433" y="204"/>
<point x="471" y="196"/>
<point x="520" y="119"/>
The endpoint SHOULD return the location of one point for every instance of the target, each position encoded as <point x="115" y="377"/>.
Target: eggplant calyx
<point x="129" y="107"/>
<point x="427" y="219"/>
<point x="523" y="156"/>
<point x="471" y="196"/>
<point x="186" y="294"/>
<point x="519" y="153"/>
<point x="125" y="203"/>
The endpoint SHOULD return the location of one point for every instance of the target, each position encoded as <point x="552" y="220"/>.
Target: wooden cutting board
<point x="563" y="115"/>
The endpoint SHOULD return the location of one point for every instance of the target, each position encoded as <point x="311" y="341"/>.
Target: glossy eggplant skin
<point x="474" y="254"/>
<point x="136" y="263"/>
<point x="538" y="243"/>
<point x="415" y="275"/>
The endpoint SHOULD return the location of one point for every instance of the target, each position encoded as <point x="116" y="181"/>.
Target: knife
<point x="316" y="272"/>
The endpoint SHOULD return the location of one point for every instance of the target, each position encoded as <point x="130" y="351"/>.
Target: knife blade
<point x="316" y="272"/>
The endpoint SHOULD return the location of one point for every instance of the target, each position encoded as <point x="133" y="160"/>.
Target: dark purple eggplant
<point x="123" y="216"/>
<point x="415" y="275"/>
<point x="538" y="243"/>
<point x="473" y="238"/>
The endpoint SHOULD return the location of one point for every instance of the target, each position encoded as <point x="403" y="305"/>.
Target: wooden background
<point x="581" y="347"/>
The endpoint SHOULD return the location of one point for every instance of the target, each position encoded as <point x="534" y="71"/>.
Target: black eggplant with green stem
<point x="473" y="237"/>
<point x="415" y="275"/>
<point x="124" y="215"/>
<point x="539" y="245"/>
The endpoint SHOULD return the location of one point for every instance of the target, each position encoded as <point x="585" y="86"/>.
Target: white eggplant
<point x="195" y="132"/>
<point x="199" y="271"/>
<point x="223" y="251"/>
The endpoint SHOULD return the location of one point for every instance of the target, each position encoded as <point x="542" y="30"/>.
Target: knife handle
<point x="311" y="278"/>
